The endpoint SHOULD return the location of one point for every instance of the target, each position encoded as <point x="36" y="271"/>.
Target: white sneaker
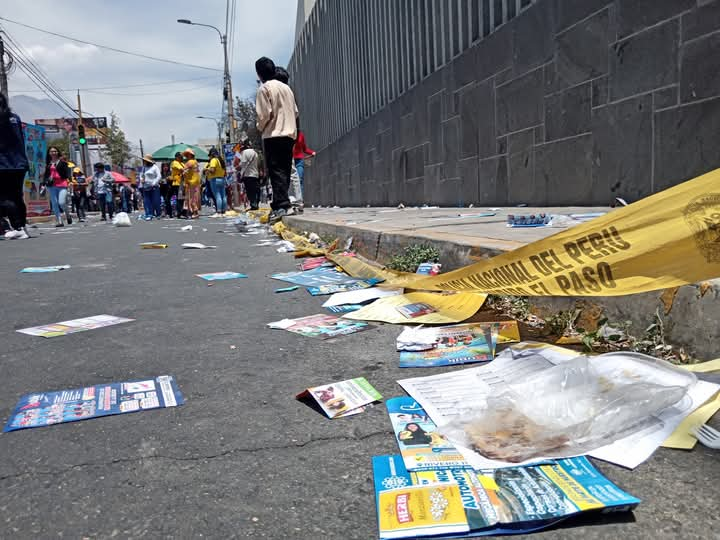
<point x="15" y="235"/>
<point x="215" y="215"/>
<point x="22" y="235"/>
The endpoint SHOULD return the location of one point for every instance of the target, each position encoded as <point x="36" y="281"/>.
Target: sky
<point x="151" y="113"/>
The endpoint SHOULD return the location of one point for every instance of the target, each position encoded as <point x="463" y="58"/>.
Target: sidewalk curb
<point x="691" y="316"/>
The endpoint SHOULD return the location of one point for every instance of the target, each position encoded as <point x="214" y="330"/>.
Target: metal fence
<point x="353" y="57"/>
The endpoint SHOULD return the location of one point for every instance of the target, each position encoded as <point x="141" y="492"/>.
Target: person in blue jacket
<point x="13" y="166"/>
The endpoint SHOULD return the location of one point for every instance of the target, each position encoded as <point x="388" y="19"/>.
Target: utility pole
<point x="82" y="146"/>
<point x="3" y="70"/>
<point x="228" y="90"/>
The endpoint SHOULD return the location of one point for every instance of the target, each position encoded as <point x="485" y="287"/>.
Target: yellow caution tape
<point x="666" y="240"/>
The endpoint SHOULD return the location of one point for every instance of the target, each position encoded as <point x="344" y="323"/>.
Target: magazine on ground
<point x="503" y="501"/>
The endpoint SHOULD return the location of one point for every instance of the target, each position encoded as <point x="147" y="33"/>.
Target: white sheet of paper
<point x="282" y="325"/>
<point x="192" y="245"/>
<point x="444" y="396"/>
<point x="360" y="296"/>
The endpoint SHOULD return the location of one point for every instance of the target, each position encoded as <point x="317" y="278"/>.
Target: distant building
<point x="207" y="143"/>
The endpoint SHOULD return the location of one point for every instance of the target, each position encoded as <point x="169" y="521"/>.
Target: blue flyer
<point x="217" y="276"/>
<point x="47" y="408"/>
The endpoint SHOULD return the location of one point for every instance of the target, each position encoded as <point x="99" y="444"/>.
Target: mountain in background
<point x="29" y="108"/>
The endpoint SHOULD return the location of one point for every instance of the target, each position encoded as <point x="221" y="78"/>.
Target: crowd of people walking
<point x="177" y="189"/>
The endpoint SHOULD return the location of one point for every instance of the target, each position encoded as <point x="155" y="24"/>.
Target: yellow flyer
<point x="421" y="511"/>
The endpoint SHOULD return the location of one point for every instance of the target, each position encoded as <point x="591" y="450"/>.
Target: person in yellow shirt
<point x="191" y="180"/>
<point x="176" y="177"/>
<point x="215" y="173"/>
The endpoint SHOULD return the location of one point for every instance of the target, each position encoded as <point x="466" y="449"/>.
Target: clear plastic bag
<point x="571" y="408"/>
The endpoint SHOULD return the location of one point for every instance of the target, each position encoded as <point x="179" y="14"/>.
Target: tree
<point x="247" y="120"/>
<point x="117" y="148"/>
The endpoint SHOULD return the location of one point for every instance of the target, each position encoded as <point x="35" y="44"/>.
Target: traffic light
<point x="81" y="135"/>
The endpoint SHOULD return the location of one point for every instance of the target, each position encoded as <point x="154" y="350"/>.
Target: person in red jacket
<point x="300" y="152"/>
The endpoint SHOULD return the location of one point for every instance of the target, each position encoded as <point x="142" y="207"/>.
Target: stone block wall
<point x="568" y="102"/>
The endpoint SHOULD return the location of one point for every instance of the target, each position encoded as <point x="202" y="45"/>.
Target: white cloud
<point x="75" y="54"/>
<point x="151" y="113"/>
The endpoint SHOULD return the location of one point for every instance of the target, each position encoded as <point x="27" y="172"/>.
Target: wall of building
<point x="499" y="102"/>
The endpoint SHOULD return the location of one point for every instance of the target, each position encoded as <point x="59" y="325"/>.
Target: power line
<point x="37" y="75"/>
<point x="164" y="92"/>
<point x="157" y="83"/>
<point x="108" y="47"/>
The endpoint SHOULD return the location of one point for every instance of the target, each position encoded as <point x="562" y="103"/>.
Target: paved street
<point x="242" y="458"/>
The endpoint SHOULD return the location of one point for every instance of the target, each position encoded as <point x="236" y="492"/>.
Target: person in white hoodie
<point x="150" y="187"/>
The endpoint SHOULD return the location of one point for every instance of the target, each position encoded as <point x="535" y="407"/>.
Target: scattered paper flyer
<point x="421" y="446"/>
<point x="73" y="326"/>
<point x="450" y="308"/>
<point x="315" y="262"/>
<point x="153" y="245"/>
<point x="360" y="296"/>
<point x="355" y="285"/>
<point x="508" y="501"/>
<point x="47" y="408"/>
<point x="454" y="345"/>
<point x="218" y="276"/>
<point x="192" y="245"/>
<point x="345" y="308"/>
<point x="342" y="398"/>
<point x="287" y="289"/>
<point x="413" y="311"/>
<point x="315" y="277"/>
<point x="44" y="269"/>
<point x="320" y="326"/>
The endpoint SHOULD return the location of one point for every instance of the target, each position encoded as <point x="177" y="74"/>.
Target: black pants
<point x="278" y="156"/>
<point x="252" y="189"/>
<point x="80" y="201"/>
<point x="12" y="204"/>
<point x="172" y="190"/>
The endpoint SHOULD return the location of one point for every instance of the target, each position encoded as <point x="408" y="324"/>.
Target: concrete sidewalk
<point x="464" y="236"/>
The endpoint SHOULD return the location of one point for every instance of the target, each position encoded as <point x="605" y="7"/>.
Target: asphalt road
<point x="242" y="458"/>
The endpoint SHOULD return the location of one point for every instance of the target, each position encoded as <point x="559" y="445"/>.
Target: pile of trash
<point x="503" y="446"/>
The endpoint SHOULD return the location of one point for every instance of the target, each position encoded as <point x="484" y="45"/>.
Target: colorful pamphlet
<point x="218" y="276"/>
<point x="342" y="398"/>
<point x="454" y="345"/>
<point x="47" y="408"/>
<point x="75" y="325"/>
<point x="44" y="269"/>
<point x="416" y="310"/>
<point x="502" y="501"/>
<point x="421" y="510"/>
<point x="321" y="326"/>
<point x="345" y="308"/>
<point x="428" y="269"/>
<point x="323" y="280"/>
<point x="314" y="262"/>
<point x="421" y="446"/>
<point x="356" y="285"/>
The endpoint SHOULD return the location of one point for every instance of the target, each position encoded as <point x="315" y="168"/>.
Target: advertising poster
<point x="36" y="150"/>
<point x="47" y="408"/>
<point x="342" y="398"/>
